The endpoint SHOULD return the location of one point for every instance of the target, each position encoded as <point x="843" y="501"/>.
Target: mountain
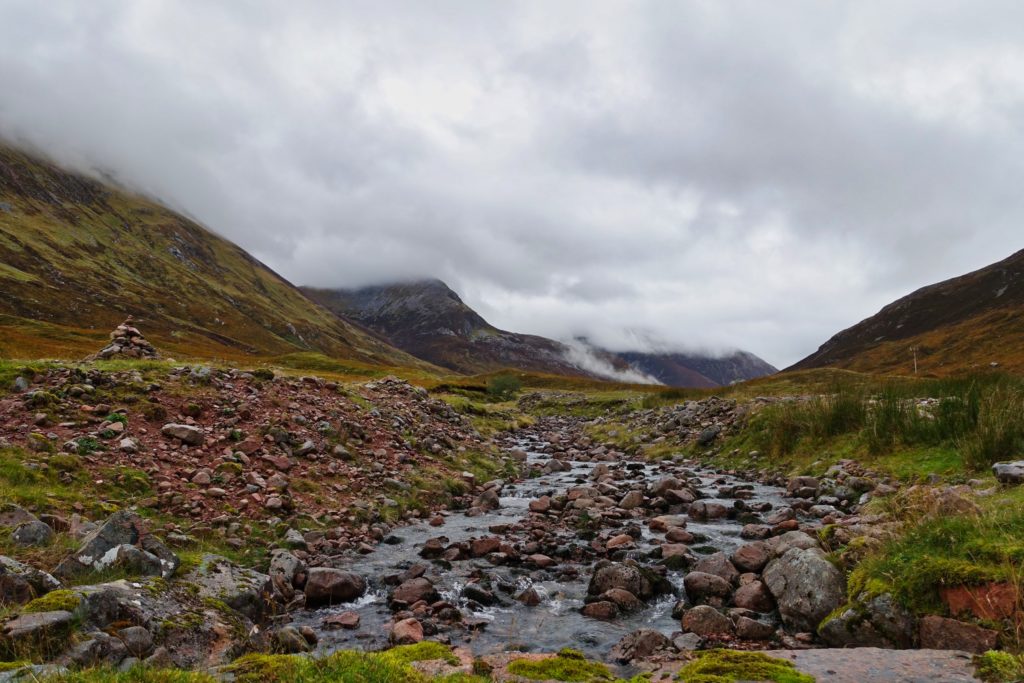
<point x="692" y="370"/>
<point x="965" y="323"/>
<point x="430" y="321"/>
<point x="78" y="255"/>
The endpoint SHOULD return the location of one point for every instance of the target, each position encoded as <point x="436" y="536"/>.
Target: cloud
<point x="713" y="174"/>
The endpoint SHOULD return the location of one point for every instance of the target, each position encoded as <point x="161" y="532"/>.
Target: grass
<point x="137" y="674"/>
<point x="346" y="666"/>
<point x="999" y="667"/>
<point x="725" y="666"/>
<point x="970" y="423"/>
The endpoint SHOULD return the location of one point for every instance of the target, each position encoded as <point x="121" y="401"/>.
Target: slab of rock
<point x="240" y="588"/>
<point x="806" y="587"/>
<point x="639" y="644"/>
<point x="413" y="590"/>
<point x="939" y="633"/>
<point x="193" y="436"/>
<point x="1009" y="472"/>
<point x="120" y="541"/>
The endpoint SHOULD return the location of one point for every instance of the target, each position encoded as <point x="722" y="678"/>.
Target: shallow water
<point x="556" y="622"/>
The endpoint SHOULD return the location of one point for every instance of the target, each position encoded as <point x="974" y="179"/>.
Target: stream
<point x="556" y="622"/>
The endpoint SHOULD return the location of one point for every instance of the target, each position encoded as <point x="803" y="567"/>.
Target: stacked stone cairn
<point x="126" y="342"/>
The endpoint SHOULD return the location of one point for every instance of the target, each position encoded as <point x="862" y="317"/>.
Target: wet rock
<point x="701" y="586"/>
<point x="288" y="640"/>
<point x="641" y="583"/>
<point x="806" y="587"/>
<point x="325" y="585"/>
<point x="780" y="545"/>
<point x="33" y="533"/>
<point x="413" y="590"/>
<point x="719" y="565"/>
<point x="529" y="597"/>
<point x="477" y="593"/>
<point x="803" y="487"/>
<point x="660" y="487"/>
<point x="602" y="609"/>
<point x="623" y="599"/>
<point x="193" y="436"/>
<point x="751" y="557"/>
<point x="481" y="547"/>
<point x="666" y="523"/>
<point x="705" y="620"/>
<point x="638" y="645"/>
<point x="345" y="620"/>
<point x="754" y="596"/>
<point x="706" y="510"/>
<point x="406" y="632"/>
<point x="684" y="642"/>
<point x="939" y="633"/>
<point x="631" y="500"/>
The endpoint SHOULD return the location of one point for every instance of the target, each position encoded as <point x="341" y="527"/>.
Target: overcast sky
<point x="720" y="174"/>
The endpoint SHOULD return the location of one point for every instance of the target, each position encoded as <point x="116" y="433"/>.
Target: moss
<point x="54" y="600"/>
<point x="13" y="666"/>
<point x="724" y="666"/>
<point x="420" y="652"/>
<point x="999" y="667"/>
<point x="567" y="665"/>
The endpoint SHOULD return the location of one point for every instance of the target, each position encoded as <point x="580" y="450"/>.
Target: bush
<point x="504" y="387"/>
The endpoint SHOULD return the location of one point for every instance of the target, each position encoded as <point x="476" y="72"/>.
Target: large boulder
<point x="1009" y="472"/>
<point x="241" y="589"/>
<point x="641" y="582"/>
<point x="703" y="587"/>
<point x="326" y="585"/>
<point x="806" y="586"/>
<point x="878" y="622"/>
<point x="120" y="542"/>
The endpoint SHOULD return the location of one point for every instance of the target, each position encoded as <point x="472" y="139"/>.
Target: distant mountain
<point x="975" y="321"/>
<point x="430" y="321"/>
<point x="78" y="255"/>
<point x="690" y="370"/>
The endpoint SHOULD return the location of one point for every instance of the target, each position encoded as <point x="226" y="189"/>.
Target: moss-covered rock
<point x="726" y="666"/>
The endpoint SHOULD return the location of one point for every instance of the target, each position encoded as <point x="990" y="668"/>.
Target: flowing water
<point x="556" y="622"/>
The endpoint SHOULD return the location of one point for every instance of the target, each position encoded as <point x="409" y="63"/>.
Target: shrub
<point x="504" y="387"/>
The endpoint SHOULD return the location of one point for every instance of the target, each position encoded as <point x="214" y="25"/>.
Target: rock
<point x="193" y="436"/>
<point x="752" y="629"/>
<point x="1009" y="472"/>
<point x="701" y="586"/>
<point x="28" y="631"/>
<point x="705" y="510"/>
<point x="482" y="547"/>
<point x="880" y="622"/>
<point x="20" y="385"/>
<point x="217" y="578"/>
<point x="346" y="620"/>
<point x="406" y="632"/>
<point x="631" y="500"/>
<point x="541" y="505"/>
<point x="806" y="586"/>
<point x="705" y="620"/>
<point x="708" y="435"/>
<point x="620" y="541"/>
<point x="477" y="593"/>
<point x="325" y="585"/>
<point x="120" y="541"/>
<point x="684" y="642"/>
<point x="623" y="599"/>
<point x="137" y="640"/>
<point x="803" y="487"/>
<point x="413" y="590"/>
<point x="288" y="640"/>
<point x="529" y="597"/>
<point x="751" y="557"/>
<point x="629" y="577"/>
<point x="939" y="633"/>
<point x="291" y="569"/>
<point x="20" y="583"/>
<point x="990" y="601"/>
<point x="34" y="533"/>
<point x="719" y="565"/>
<point x="754" y="596"/>
<point x="665" y="484"/>
<point x="780" y="545"/>
<point x="638" y="645"/>
<point x="601" y="609"/>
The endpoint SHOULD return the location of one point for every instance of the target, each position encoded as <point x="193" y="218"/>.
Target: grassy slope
<point x="77" y="257"/>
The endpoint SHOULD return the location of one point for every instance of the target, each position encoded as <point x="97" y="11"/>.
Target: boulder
<point x="939" y="633"/>
<point x="719" y="565"/>
<point x="412" y="591"/>
<point x="639" y="644"/>
<point x="33" y="533"/>
<point x="752" y="629"/>
<point x="240" y="588"/>
<point x="325" y="585"/>
<point x="705" y="620"/>
<point x="754" y="596"/>
<point x="806" y="587"/>
<point x="20" y="583"/>
<point x="120" y="541"/>
<point x="642" y="583"/>
<point x="701" y="586"/>
<point x="751" y="557"/>
<point x="406" y="632"/>
<point x="880" y="622"/>
<point x="602" y="609"/>
<point x="1011" y="473"/>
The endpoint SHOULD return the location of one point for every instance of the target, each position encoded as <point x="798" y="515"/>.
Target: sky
<point x="691" y="175"/>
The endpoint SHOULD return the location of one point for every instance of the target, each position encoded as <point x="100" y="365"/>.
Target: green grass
<point x="567" y="665"/>
<point x="347" y="666"/>
<point x="936" y="550"/>
<point x="725" y="666"/>
<point x="138" y="674"/>
<point x="999" y="667"/>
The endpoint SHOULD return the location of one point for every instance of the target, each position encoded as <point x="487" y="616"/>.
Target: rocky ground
<point x="293" y="515"/>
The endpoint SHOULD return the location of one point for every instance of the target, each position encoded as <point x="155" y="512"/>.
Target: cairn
<point x="126" y="342"/>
